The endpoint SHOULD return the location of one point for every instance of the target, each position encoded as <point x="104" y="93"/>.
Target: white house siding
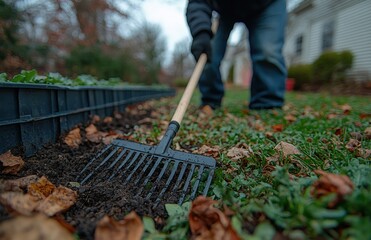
<point x="354" y="33"/>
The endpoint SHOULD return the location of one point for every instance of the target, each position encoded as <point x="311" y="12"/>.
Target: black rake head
<point x="158" y="172"/>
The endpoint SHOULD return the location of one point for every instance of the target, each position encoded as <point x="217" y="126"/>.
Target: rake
<point x="156" y="172"/>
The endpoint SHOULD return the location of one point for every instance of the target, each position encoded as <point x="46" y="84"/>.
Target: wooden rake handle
<point x="184" y="101"/>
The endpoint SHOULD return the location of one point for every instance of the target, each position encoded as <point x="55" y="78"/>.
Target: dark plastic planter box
<point x="32" y="115"/>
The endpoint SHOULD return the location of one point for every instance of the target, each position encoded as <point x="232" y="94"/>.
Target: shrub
<point x="331" y="66"/>
<point x="302" y="73"/>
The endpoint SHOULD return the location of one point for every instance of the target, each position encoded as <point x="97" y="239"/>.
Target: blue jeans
<point x="266" y="38"/>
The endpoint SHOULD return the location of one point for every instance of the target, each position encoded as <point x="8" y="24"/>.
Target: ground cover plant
<point x="302" y="172"/>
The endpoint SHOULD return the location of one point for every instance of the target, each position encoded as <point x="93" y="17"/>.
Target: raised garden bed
<point x="32" y="115"/>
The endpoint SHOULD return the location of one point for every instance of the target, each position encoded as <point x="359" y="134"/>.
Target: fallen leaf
<point x="208" y="151"/>
<point x="290" y="118"/>
<point x="10" y="164"/>
<point x="239" y="151"/>
<point x="33" y="227"/>
<point x="41" y="189"/>
<point x="108" y="120"/>
<point x="208" y="222"/>
<point x="277" y="128"/>
<point x="73" y="138"/>
<point x="19" y="202"/>
<point x="356" y="135"/>
<point x="368" y="133"/>
<point x="93" y="135"/>
<point x="146" y="120"/>
<point x="131" y="227"/>
<point x="42" y="196"/>
<point x="346" y="108"/>
<point x="363" y="153"/>
<point x="338" y="131"/>
<point x="59" y="201"/>
<point x="353" y="144"/>
<point x="286" y="149"/>
<point x="332" y="116"/>
<point x="15" y="185"/>
<point x="95" y="119"/>
<point x="329" y="183"/>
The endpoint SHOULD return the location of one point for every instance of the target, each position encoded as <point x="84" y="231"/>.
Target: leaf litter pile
<point x="293" y="174"/>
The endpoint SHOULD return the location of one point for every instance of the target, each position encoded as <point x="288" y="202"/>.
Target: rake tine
<point x="208" y="182"/>
<point x="135" y="169"/>
<point x="122" y="153"/>
<point x="150" y="173"/>
<point x="195" y="187"/>
<point x="123" y="163"/>
<point x="186" y="184"/>
<point x="160" y="177"/>
<point x="175" y="167"/>
<point x="101" y="164"/>
<point x="180" y="177"/>
<point x="95" y="158"/>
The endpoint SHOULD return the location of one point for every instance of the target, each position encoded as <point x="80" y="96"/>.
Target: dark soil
<point x="61" y="165"/>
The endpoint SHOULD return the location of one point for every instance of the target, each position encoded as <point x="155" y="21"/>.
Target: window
<point x="299" y="45"/>
<point x="328" y="36"/>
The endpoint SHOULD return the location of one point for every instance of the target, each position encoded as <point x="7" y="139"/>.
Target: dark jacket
<point x="199" y="12"/>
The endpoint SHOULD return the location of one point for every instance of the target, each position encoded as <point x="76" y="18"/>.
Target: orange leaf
<point x="73" y="138"/>
<point x="41" y="189"/>
<point x="11" y="164"/>
<point x="208" y="222"/>
<point x="277" y="128"/>
<point x="60" y="200"/>
<point x="329" y="183"/>
<point x="131" y="227"/>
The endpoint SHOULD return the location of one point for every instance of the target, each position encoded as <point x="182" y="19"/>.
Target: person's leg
<point x="210" y="84"/>
<point x="266" y="37"/>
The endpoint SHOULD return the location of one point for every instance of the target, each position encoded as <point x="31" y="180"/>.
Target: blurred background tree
<point x="80" y="37"/>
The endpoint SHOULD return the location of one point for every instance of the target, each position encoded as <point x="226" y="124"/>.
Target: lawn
<point x="272" y="186"/>
<point x="302" y="172"/>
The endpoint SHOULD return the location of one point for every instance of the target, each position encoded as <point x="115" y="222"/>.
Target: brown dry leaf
<point x="363" y="153"/>
<point x="110" y="137"/>
<point x="60" y="200"/>
<point x="131" y="227"/>
<point x="239" y="151"/>
<point x="10" y="164"/>
<point x="208" y="151"/>
<point x="19" y="202"/>
<point x="346" y="108"/>
<point x="95" y="119"/>
<point x="73" y="138"/>
<point x="353" y="144"/>
<point x="368" y="133"/>
<point x="93" y="135"/>
<point x="33" y="227"/>
<point x="208" y="222"/>
<point x="16" y="185"/>
<point x="329" y="183"/>
<point x="286" y="149"/>
<point x="146" y="120"/>
<point x="41" y="189"/>
<point x="290" y="118"/>
<point x="277" y="128"/>
<point x="332" y="116"/>
<point x="107" y="120"/>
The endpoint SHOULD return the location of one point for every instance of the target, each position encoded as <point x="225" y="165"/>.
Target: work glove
<point x="201" y="44"/>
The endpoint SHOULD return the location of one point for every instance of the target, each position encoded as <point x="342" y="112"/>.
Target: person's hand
<point x="201" y="44"/>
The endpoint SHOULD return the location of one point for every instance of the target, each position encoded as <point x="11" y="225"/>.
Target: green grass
<point x="271" y="197"/>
